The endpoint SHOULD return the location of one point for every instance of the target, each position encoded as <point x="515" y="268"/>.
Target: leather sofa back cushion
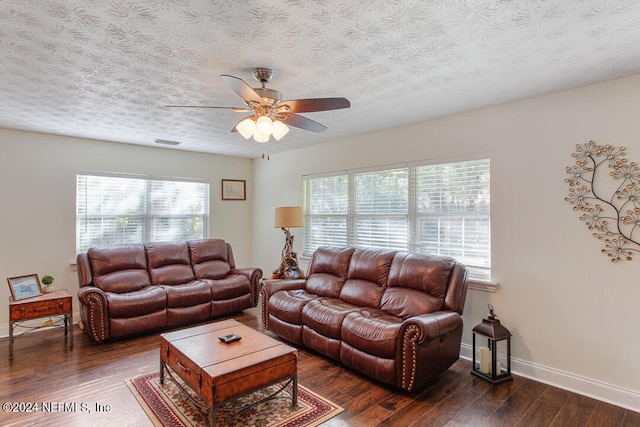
<point x="371" y="265"/>
<point x="119" y="269"/>
<point x="362" y="293"/>
<point x="324" y="285"/>
<point x="169" y="263"/>
<point x="367" y="277"/>
<point x="405" y="303"/>
<point x="425" y="273"/>
<point x="331" y="260"/>
<point x="210" y="258"/>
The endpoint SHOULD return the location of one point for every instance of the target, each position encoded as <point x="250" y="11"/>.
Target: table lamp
<point x="288" y="217"/>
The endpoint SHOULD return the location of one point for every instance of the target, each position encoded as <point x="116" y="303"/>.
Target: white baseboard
<point x="615" y="395"/>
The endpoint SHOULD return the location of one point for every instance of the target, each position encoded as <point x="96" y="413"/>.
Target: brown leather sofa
<point x="132" y="289"/>
<point x="393" y="316"/>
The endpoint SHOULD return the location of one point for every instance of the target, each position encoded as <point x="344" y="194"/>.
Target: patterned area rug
<point x="167" y="406"/>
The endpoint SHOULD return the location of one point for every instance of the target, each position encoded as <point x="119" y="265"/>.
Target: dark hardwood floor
<point x="44" y="369"/>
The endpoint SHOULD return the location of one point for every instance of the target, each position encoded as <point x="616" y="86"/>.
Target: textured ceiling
<point x="105" y="69"/>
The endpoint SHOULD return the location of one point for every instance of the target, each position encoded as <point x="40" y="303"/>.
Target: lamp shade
<point x="279" y="129"/>
<point x="264" y="126"/>
<point x="258" y="137"/>
<point x="289" y="216"/>
<point x="246" y="127"/>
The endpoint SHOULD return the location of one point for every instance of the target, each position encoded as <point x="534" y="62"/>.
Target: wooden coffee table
<point x="219" y="372"/>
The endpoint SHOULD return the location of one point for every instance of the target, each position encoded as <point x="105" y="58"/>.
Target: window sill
<point x="478" y="285"/>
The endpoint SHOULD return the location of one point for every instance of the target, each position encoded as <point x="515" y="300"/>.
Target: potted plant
<point x="47" y="281"/>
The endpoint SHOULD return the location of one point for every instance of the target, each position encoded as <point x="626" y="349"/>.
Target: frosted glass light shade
<point x="246" y="127"/>
<point x="279" y="129"/>
<point x="258" y="137"/>
<point x="264" y="126"/>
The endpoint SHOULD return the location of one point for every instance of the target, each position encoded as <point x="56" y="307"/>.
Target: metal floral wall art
<point x="606" y="189"/>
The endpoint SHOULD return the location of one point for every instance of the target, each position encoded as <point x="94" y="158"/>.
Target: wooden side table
<point x="56" y="303"/>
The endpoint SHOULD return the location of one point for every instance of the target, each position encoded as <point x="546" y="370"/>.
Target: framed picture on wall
<point x="234" y="189"/>
<point x="24" y="286"/>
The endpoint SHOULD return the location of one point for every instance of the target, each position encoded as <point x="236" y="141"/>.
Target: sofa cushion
<point x="328" y="271"/>
<point x="367" y="277"/>
<point x="169" y="263"/>
<point x="210" y="258"/>
<point x="324" y="284"/>
<point x="327" y="259"/>
<point x="371" y="264"/>
<point x="372" y="331"/>
<point x="231" y="286"/>
<point x="119" y="269"/>
<point x="287" y="305"/>
<point x="425" y="273"/>
<point x="325" y="315"/>
<point x="187" y="295"/>
<point x="406" y="303"/>
<point x="137" y="303"/>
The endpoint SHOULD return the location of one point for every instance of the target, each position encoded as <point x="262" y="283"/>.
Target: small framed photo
<point x="25" y="286"/>
<point x="234" y="189"/>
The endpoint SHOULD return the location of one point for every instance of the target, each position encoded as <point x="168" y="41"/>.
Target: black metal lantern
<point x="498" y="337"/>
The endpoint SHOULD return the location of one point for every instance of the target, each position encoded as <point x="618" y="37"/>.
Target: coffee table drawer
<point x="186" y="369"/>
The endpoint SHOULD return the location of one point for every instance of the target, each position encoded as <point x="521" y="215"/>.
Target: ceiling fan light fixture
<point x="246" y="127"/>
<point x="279" y="129"/>
<point x="258" y="137"/>
<point x="264" y="126"/>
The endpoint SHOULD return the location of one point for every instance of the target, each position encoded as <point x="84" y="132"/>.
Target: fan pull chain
<point x="268" y="151"/>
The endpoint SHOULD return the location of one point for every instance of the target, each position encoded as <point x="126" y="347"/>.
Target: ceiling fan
<point x="270" y="115"/>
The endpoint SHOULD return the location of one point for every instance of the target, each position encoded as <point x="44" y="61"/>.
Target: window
<point x="440" y="208"/>
<point x="120" y="209"/>
<point x="380" y="209"/>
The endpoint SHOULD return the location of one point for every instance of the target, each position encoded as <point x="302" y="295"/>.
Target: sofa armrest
<point x="431" y="326"/>
<point x="94" y="312"/>
<point x="270" y="287"/>
<point x="254" y="275"/>
<point x="434" y="337"/>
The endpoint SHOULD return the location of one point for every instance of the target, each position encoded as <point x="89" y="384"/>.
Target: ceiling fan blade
<point x="303" y="123"/>
<point x="245" y="91"/>
<point x="316" y="104"/>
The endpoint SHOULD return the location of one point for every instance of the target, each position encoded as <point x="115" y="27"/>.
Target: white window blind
<point x="452" y="218"/>
<point x="380" y="209"/>
<point x="326" y="208"/>
<point x="441" y="208"/>
<point x="116" y="209"/>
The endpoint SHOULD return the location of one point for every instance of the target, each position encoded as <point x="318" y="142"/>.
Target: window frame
<point x="148" y="218"/>
<point x="413" y="217"/>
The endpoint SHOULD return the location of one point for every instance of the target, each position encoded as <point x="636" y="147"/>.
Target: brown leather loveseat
<point x="393" y="316"/>
<point x="132" y="289"/>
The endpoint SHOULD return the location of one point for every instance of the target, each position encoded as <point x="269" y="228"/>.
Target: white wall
<point x="37" y="189"/>
<point x="573" y="314"/>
